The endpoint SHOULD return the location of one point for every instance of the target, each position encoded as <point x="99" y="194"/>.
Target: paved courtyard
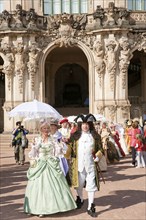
<point x="123" y="196"/>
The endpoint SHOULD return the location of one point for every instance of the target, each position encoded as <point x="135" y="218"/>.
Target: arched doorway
<point x="73" y="82"/>
<point x="2" y="94"/>
<point x="66" y="80"/>
<point x="135" y="84"/>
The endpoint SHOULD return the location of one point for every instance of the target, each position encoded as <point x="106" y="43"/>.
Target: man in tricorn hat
<point x="86" y="151"/>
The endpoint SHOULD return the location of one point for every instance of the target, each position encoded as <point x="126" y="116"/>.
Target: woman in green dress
<point x="47" y="191"/>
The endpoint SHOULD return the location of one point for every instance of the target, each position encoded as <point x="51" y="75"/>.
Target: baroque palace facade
<point x="62" y="52"/>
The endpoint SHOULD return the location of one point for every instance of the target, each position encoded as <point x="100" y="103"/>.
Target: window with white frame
<point x="60" y="6"/>
<point x="137" y="5"/>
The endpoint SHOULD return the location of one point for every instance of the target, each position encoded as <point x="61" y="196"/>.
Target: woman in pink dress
<point x="132" y="133"/>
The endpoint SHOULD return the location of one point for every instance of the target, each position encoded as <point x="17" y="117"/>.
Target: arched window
<point x="60" y="6"/>
<point x="137" y="5"/>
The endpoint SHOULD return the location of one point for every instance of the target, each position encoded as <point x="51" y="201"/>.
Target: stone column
<point x="8" y="70"/>
<point x="32" y="65"/>
<point x="110" y="79"/>
<point x="19" y="69"/>
<point x="125" y="55"/>
<point x="98" y="52"/>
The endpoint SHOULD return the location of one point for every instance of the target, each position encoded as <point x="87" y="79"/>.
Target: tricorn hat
<point x="85" y="118"/>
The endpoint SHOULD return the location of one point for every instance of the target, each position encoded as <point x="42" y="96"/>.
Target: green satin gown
<point x="47" y="191"/>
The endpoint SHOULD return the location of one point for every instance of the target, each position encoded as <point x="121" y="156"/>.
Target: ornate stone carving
<point x="142" y="45"/>
<point x="100" y="109"/>
<point x="111" y="13"/>
<point x="21" y="19"/>
<point x="31" y="17"/>
<point x="98" y="15"/>
<point x="125" y="57"/>
<point x="5" y="18"/>
<point x="99" y="61"/>
<point x="18" y="16"/>
<point x="141" y="16"/>
<point x="43" y="41"/>
<point x="8" y="66"/>
<point x="125" y="111"/>
<point x="110" y="60"/>
<point x="112" y="111"/>
<point x="19" y="63"/>
<point x="123" y="17"/>
<point x="32" y="64"/>
<point x="7" y="106"/>
<point x="65" y="32"/>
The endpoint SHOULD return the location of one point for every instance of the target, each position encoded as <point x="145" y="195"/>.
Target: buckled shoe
<point x="92" y="210"/>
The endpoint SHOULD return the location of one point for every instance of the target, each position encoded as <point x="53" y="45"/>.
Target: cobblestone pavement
<point x="121" y="197"/>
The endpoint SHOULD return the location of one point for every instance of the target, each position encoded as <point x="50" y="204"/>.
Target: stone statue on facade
<point x="8" y="66"/>
<point x="124" y="60"/>
<point x="19" y="63"/>
<point x="31" y="17"/>
<point x="111" y="14"/>
<point x="5" y="18"/>
<point x="142" y="45"/>
<point x="98" y="15"/>
<point x="110" y="60"/>
<point x="32" y="64"/>
<point x="18" y="16"/>
<point x="99" y="59"/>
<point x="123" y="17"/>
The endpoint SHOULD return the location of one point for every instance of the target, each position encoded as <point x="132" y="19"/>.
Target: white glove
<point x="96" y="159"/>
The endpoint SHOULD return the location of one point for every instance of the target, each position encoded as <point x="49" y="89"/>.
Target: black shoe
<point x="91" y="211"/>
<point x="79" y="203"/>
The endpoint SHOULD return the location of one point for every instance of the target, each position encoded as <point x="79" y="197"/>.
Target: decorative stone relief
<point x="8" y="66"/>
<point x="21" y="19"/>
<point x="111" y="13"/>
<point x="65" y="32"/>
<point x="5" y="18"/>
<point x="32" y="64"/>
<point x="98" y="15"/>
<point x="125" y="111"/>
<point x="18" y="17"/>
<point x="43" y="41"/>
<point x="111" y="48"/>
<point x="99" y="61"/>
<point x="142" y="45"/>
<point x="19" y="63"/>
<point x="125" y="57"/>
<point x="112" y="111"/>
<point x="100" y="109"/>
<point x="31" y="17"/>
<point x="138" y="16"/>
<point x="7" y="106"/>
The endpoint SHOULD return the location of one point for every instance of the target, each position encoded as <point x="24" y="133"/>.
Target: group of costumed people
<point x="72" y="155"/>
<point x="53" y="155"/>
<point x="135" y="138"/>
